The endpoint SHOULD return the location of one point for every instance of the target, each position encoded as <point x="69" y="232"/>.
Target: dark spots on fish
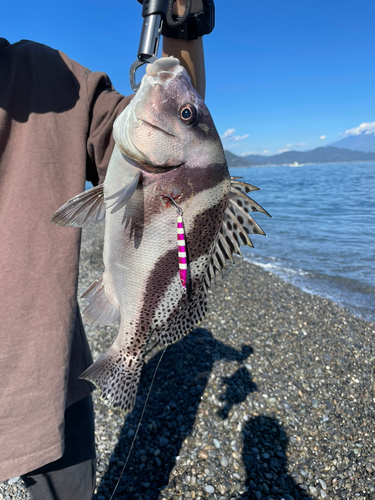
<point x="229" y="226"/>
<point x="236" y="238"/>
<point x="239" y="203"/>
<point x="242" y="236"/>
<point x="240" y="219"/>
<point x="246" y="210"/>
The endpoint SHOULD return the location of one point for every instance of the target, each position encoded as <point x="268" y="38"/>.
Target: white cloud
<point x="322" y="137"/>
<point x="240" y="137"/>
<point x="301" y="144"/>
<point x="283" y="150"/>
<point x="228" y="133"/>
<point x="265" y="152"/>
<point x="289" y="145"/>
<point x="364" y="128"/>
<point x="247" y="153"/>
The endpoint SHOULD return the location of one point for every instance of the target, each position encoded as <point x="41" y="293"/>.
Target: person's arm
<point x="190" y="53"/>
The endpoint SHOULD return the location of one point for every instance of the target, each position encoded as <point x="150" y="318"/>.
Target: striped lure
<point x="181" y="243"/>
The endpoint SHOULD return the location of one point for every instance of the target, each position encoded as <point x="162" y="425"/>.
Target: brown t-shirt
<point x="55" y="131"/>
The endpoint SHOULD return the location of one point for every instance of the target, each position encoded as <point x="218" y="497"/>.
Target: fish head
<point x="167" y="124"/>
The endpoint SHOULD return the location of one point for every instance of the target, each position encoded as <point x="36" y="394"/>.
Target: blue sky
<point x="280" y="74"/>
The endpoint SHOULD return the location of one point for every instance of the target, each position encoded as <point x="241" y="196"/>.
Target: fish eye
<point x="188" y="114"/>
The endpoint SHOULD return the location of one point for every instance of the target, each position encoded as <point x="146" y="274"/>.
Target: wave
<point x="348" y="293"/>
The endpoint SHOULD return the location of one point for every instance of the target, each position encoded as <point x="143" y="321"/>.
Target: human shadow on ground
<point x="170" y="413"/>
<point x="264" y="457"/>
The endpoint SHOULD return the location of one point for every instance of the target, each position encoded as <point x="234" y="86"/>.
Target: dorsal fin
<point x="237" y="225"/>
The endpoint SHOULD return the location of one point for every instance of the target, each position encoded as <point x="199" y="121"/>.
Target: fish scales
<point x="167" y="155"/>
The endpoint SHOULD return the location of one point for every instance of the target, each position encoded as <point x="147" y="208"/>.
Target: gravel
<point x="271" y="397"/>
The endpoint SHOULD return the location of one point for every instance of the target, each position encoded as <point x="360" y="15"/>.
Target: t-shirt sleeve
<point x="105" y="106"/>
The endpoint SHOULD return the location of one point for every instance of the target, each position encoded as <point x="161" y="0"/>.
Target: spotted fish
<point x="167" y="181"/>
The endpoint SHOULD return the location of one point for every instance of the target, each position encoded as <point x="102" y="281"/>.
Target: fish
<point x="174" y="217"/>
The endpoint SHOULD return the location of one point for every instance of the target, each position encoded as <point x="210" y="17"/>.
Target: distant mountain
<point x="328" y="154"/>
<point x="361" y="142"/>
<point x="236" y="161"/>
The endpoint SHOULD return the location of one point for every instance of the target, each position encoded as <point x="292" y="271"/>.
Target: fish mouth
<point x="142" y="164"/>
<point x="152" y="125"/>
<point x="155" y="169"/>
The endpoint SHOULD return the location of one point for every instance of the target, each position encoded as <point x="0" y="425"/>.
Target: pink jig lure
<point x="181" y="243"/>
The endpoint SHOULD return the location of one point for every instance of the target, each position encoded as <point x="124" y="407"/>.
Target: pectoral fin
<point x="124" y="194"/>
<point x="85" y="208"/>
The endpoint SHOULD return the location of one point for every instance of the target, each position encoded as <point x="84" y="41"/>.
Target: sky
<point x="281" y="75"/>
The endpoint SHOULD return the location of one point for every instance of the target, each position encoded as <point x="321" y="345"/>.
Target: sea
<point x="321" y="236"/>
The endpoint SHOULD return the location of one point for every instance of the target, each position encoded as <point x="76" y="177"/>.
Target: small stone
<point x="259" y="495"/>
<point x="157" y="452"/>
<point x="217" y="443"/>
<point x="323" y="484"/>
<point x="224" y="461"/>
<point x="130" y="433"/>
<point x="158" y="461"/>
<point x="209" y="488"/>
<point x="323" y="494"/>
<point x="13" y="480"/>
<point x="203" y="454"/>
<point x="313" y="491"/>
<point x="163" y="441"/>
<point x="315" y="403"/>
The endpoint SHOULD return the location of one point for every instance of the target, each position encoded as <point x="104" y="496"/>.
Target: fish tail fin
<point x="116" y="376"/>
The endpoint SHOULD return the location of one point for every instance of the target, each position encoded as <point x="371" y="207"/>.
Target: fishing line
<point x="139" y="423"/>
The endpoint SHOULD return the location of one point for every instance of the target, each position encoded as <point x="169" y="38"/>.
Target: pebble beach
<point x="270" y="397"/>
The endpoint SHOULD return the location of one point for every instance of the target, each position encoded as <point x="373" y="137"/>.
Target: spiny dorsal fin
<point x="237" y="225"/>
<point x="85" y="208"/>
<point x="100" y="310"/>
<point x="244" y="187"/>
<point x="248" y="204"/>
<point x="247" y="222"/>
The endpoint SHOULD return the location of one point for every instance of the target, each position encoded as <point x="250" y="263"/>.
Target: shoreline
<point x="271" y="397"/>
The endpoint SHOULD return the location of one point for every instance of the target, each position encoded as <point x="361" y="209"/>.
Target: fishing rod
<point x="158" y="19"/>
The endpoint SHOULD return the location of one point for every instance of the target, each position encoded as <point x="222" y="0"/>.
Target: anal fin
<point x="100" y="310"/>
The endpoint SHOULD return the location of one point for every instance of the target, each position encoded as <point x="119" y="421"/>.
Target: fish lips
<point x="146" y="166"/>
<point x="142" y="162"/>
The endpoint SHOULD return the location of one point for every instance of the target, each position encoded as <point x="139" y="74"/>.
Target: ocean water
<point x="321" y="236"/>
